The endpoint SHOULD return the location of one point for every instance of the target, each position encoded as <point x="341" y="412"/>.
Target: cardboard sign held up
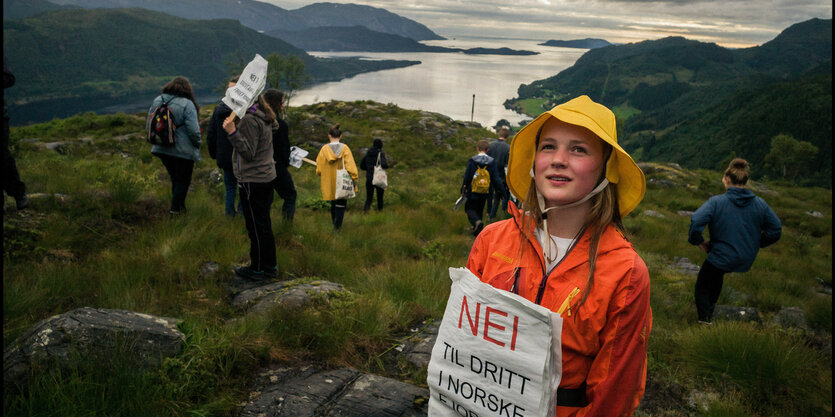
<point x="251" y="82"/>
<point x="297" y="155"/>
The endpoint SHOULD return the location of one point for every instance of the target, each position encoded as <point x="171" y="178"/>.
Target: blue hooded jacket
<point x="740" y="224"/>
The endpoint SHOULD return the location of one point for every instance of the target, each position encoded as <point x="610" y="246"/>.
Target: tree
<point x="789" y="157"/>
<point x="287" y="73"/>
<point x="500" y="123"/>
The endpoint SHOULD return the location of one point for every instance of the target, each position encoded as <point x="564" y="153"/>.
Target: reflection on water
<point x="443" y="83"/>
<point x="446" y="82"/>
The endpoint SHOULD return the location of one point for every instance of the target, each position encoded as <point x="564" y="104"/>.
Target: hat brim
<point x="621" y="169"/>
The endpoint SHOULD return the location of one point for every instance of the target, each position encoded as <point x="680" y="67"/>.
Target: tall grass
<point x="128" y="254"/>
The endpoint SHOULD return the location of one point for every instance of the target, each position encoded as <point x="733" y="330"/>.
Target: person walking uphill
<point x="220" y="149"/>
<point x="499" y="150"/>
<point x="179" y="159"/>
<point x="480" y="179"/>
<point x="334" y="156"/>
<point x="374" y="155"/>
<point x="565" y="250"/>
<point x="12" y="184"/>
<point x="740" y="224"/>
<point x="252" y="162"/>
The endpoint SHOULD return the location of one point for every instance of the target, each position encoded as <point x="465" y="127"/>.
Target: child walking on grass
<point x="334" y="156"/>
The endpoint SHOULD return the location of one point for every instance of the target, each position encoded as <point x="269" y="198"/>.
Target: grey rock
<point x="684" y="213"/>
<point x="309" y="392"/>
<point x="815" y="213"/>
<point x="790" y="317"/>
<point x="653" y="213"/>
<point x="95" y="332"/>
<point x="60" y="147"/>
<point x="288" y="293"/>
<point x="86" y="140"/>
<point x="418" y="348"/>
<point x="129" y="136"/>
<point x="699" y="400"/>
<point x="215" y="176"/>
<point x="209" y="268"/>
<point x="661" y="183"/>
<point x="685" y="266"/>
<point x="735" y="313"/>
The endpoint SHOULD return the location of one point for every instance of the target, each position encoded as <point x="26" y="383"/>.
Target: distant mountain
<point x="115" y="52"/>
<point x="18" y="9"/>
<point x="693" y="103"/>
<point x="588" y="43"/>
<point x="376" y="19"/>
<point x="266" y="17"/>
<point x="360" y="38"/>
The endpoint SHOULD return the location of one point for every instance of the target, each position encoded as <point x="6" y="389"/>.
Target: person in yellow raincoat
<point x="332" y="157"/>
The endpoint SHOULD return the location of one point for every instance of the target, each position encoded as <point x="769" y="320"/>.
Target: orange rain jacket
<point x="604" y="343"/>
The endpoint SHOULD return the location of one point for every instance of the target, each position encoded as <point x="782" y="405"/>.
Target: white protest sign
<point x="497" y="354"/>
<point x="250" y="84"/>
<point x="296" y="156"/>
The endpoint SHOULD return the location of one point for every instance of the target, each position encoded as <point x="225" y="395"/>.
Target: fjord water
<point x="445" y="82"/>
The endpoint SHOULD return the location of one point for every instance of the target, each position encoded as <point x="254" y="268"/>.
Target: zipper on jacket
<point x="544" y="281"/>
<point x="566" y="305"/>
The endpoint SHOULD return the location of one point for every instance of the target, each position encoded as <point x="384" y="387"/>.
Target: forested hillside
<point x="695" y="103"/>
<point x="114" y="52"/>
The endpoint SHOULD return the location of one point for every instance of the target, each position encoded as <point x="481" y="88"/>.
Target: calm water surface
<point x="445" y="82"/>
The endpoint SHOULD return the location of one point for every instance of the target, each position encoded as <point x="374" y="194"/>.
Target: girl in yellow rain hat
<point x="565" y="249"/>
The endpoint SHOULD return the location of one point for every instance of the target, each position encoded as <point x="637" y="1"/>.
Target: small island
<point x="588" y="43"/>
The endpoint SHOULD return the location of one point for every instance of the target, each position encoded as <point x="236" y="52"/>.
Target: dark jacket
<point x="8" y="81"/>
<point x="281" y="144"/>
<point x="252" y="157"/>
<point x="480" y="161"/>
<point x="500" y="151"/>
<point x="740" y="224"/>
<point x="216" y="138"/>
<point x="369" y="161"/>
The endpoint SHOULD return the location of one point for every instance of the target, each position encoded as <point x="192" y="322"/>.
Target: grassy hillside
<point x="99" y="236"/>
<point x="92" y="53"/>
<point x="690" y="102"/>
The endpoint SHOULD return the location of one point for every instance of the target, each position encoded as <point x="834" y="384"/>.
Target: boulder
<point x="790" y="317"/>
<point x="735" y="313"/>
<point x="815" y="213"/>
<point x="418" y="347"/>
<point x="60" y="147"/>
<point x="653" y="213"/>
<point x="309" y="391"/>
<point x="685" y="266"/>
<point x="684" y="213"/>
<point x="294" y="293"/>
<point x="92" y="332"/>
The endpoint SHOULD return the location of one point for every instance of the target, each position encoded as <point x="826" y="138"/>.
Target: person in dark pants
<point x="12" y="184"/>
<point x="368" y="163"/>
<point x="740" y="224"/>
<point x="499" y="150"/>
<point x="474" y="187"/>
<point x="221" y="150"/>
<point x="252" y="161"/>
<point x="179" y="159"/>
<point x="334" y="156"/>
<point x="283" y="182"/>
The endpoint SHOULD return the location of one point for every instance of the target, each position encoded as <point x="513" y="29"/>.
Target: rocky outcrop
<point x="310" y="391"/>
<point x="735" y="313"/>
<point x="294" y="293"/>
<point x="91" y="332"/>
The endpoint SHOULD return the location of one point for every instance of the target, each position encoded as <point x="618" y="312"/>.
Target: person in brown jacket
<point x="252" y="162"/>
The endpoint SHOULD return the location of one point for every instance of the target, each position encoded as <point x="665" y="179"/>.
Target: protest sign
<point x="297" y="155"/>
<point x="250" y="84"/>
<point x="497" y="354"/>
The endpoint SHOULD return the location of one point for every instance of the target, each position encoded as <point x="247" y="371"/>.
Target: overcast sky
<point x="730" y="23"/>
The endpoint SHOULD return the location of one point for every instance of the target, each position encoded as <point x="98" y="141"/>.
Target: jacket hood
<point x="483" y="159"/>
<point x="255" y="111"/>
<point x="741" y="197"/>
<point x="330" y="156"/>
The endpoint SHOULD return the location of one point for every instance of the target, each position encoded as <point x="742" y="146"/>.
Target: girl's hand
<point x="229" y="124"/>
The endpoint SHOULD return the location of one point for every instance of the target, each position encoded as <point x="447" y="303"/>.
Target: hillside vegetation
<point x="97" y="234"/>
<point x="694" y="103"/>
<point x="82" y="53"/>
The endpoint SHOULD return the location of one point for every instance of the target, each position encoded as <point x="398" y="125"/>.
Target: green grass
<point x="110" y="244"/>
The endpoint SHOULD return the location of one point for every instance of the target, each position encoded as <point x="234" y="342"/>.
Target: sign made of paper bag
<point x="250" y="84"/>
<point x="497" y="354"/>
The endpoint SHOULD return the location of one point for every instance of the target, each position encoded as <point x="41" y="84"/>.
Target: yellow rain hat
<point x="621" y="170"/>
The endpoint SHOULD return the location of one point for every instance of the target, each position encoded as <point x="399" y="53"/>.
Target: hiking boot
<point x="249" y="273"/>
<point x="22" y="202"/>
<point x="477" y="227"/>
<point x="270" y="272"/>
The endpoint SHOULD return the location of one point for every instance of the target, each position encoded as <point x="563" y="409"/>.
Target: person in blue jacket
<point x="740" y="224"/>
<point x="220" y="149"/>
<point x="179" y="159"/>
<point x="476" y="199"/>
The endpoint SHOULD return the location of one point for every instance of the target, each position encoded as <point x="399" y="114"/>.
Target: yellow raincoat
<point x="326" y="165"/>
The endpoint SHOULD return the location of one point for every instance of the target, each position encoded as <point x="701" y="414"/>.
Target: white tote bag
<point x="497" y="354"/>
<point x="344" y="183"/>
<point x="380" y="178"/>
